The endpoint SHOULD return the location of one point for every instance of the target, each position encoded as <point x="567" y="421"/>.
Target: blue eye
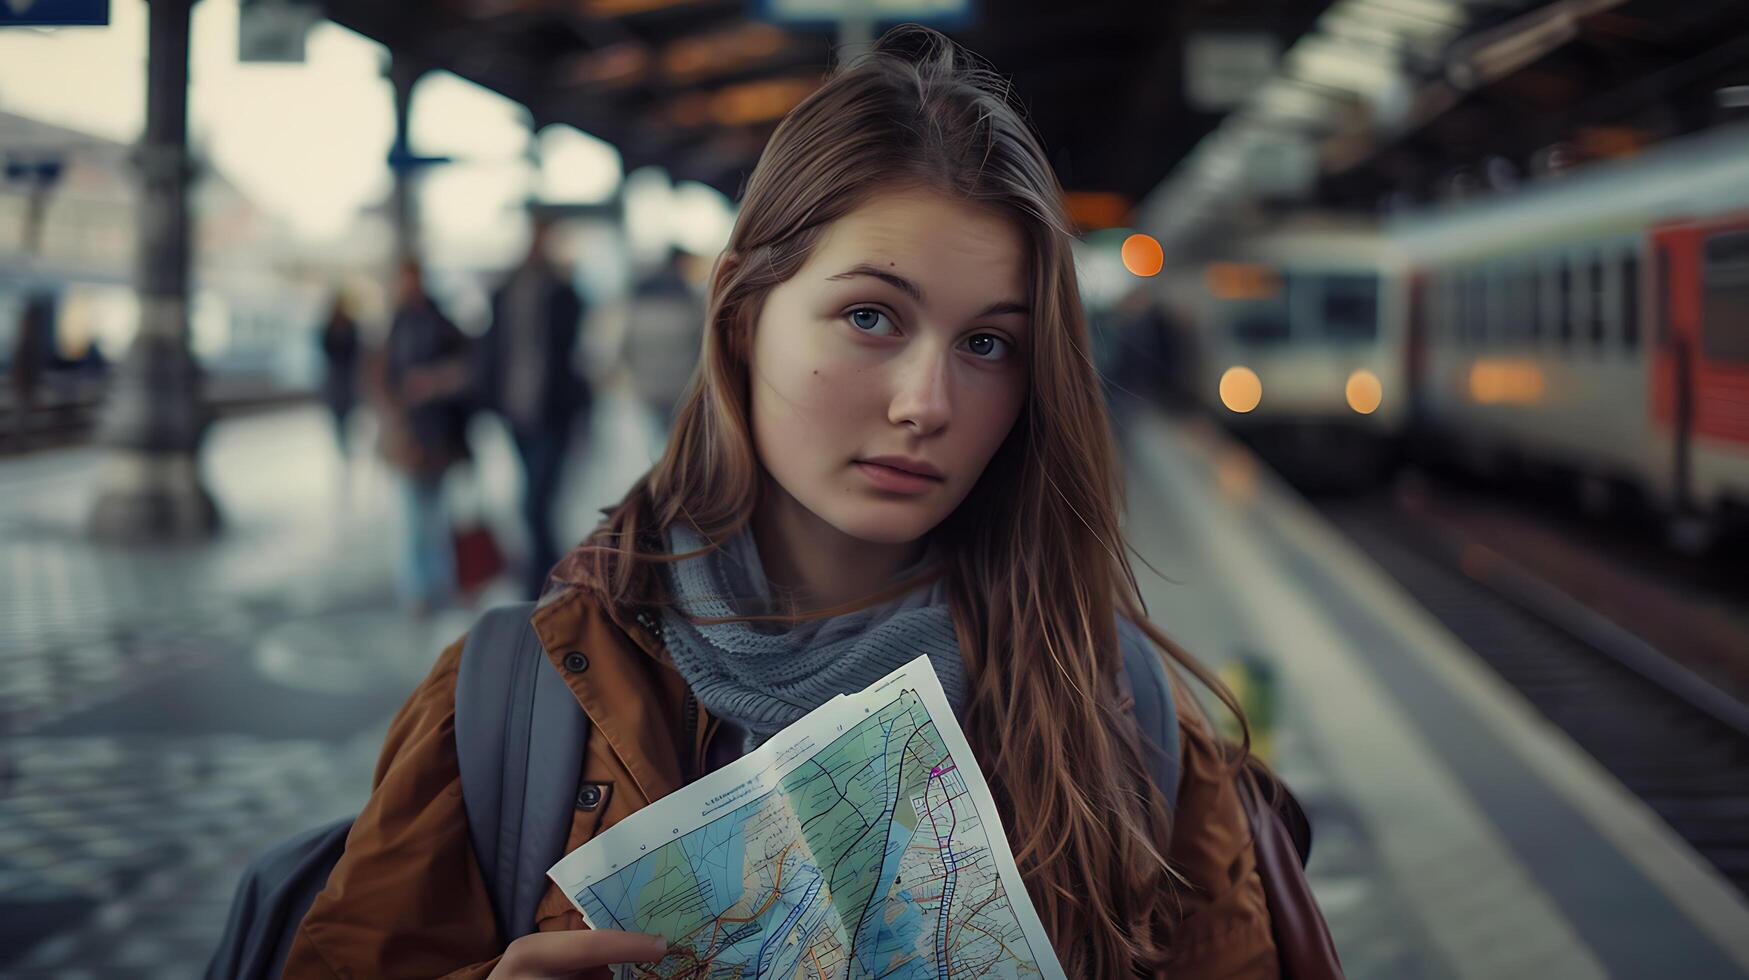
<point x="990" y="342"/>
<point x="865" y="318"/>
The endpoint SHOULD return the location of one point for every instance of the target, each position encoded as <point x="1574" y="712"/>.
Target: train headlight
<point x="1241" y="389"/>
<point x="1364" y="392"/>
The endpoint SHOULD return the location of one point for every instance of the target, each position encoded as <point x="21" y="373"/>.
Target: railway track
<point x="1673" y="739"/>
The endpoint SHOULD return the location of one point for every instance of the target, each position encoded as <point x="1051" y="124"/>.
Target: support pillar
<point x="404" y="77"/>
<point x="154" y="415"/>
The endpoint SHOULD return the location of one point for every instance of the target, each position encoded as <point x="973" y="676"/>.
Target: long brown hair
<point x="1036" y="563"/>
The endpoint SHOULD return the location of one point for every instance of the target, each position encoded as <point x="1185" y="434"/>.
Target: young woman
<point x="895" y="443"/>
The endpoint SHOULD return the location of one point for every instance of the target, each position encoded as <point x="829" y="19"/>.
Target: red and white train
<point x="1596" y="323"/>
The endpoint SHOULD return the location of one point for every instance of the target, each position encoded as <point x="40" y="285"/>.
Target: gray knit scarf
<point x="763" y="676"/>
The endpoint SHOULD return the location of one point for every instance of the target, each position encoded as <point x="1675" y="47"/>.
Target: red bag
<point x="478" y="559"/>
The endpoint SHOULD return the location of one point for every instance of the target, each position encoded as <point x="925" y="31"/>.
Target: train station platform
<point x="166" y="714"/>
<point x="1458" y="834"/>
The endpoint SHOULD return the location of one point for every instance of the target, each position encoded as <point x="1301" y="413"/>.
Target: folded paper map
<point x="859" y="842"/>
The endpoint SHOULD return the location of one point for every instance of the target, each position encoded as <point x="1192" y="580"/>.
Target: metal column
<point x="154" y="415"/>
<point x="404" y="77"/>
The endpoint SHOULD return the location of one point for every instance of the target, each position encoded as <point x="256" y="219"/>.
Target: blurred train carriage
<point x="1301" y="339"/>
<point x="1593" y="325"/>
<point x="1596" y="325"/>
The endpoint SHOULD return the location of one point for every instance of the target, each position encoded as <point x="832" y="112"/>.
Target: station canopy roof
<point x="697" y="86"/>
<point x="1416" y="100"/>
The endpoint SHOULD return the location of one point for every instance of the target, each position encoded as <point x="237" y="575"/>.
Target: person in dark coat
<point x="423" y="389"/>
<point x="526" y="376"/>
<point x="32" y="351"/>
<point x="340" y="356"/>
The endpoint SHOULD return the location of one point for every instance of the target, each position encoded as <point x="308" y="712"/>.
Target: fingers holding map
<point x="859" y="842"/>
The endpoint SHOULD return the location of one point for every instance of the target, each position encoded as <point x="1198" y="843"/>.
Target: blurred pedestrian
<point x="340" y="357"/>
<point x="665" y="325"/>
<point x="424" y="409"/>
<point x="31" y="349"/>
<point x="527" y="377"/>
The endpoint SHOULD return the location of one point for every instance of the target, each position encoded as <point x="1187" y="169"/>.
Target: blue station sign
<point x="50" y="13"/>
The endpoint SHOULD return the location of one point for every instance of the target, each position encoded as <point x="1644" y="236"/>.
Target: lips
<point x="895" y="480"/>
<point x="906" y="464"/>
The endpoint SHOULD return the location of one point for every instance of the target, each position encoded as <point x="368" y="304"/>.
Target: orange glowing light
<point x="1241" y="280"/>
<point x="1364" y="391"/>
<point x="1142" y="255"/>
<point x="1241" y="389"/>
<point x="1498" y="381"/>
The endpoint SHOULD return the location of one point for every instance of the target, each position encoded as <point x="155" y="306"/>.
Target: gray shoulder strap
<point x="519" y="736"/>
<point x="1155" y="712"/>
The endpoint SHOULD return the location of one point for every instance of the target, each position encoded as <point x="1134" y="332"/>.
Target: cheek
<point x="997" y="410"/>
<point x="805" y="404"/>
<point x="812" y="386"/>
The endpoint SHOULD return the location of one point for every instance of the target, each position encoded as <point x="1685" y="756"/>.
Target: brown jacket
<point x="407" y="898"/>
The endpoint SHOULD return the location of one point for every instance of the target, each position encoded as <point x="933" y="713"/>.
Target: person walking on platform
<point x="897" y="447"/>
<point x="424" y="408"/>
<point x="32" y="349"/>
<point x="665" y="322"/>
<point x="525" y="366"/>
<point x="340" y="358"/>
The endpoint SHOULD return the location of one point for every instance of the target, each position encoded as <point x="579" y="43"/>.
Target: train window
<point x="1534" y="327"/>
<point x="1524" y="315"/>
<point x="1351" y="307"/>
<point x="1594" y="289"/>
<point x="1460" y="307"/>
<point x="1454" y="307"/>
<point x="1564" y="301"/>
<point x="1661" y="313"/>
<point x="1495" y="282"/>
<point x="1724" y="297"/>
<point x="1442" y="307"/>
<point x="1260" y="326"/>
<point x="1476" y="323"/>
<point x="1630" y="301"/>
<point x="1510" y="279"/>
<point x="1265" y="319"/>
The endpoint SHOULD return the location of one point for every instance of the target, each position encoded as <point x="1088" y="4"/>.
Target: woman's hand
<point x="563" y="954"/>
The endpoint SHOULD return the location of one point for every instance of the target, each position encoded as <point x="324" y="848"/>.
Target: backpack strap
<point x="1156" y="714"/>
<point x="519" y="796"/>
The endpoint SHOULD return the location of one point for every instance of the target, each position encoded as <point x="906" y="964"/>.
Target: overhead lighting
<point x="1357" y="69"/>
<point x="617" y="65"/>
<point x="1354" y="25"/>
<point x="719" y="53"/>
<point x="761" y="101"/>
<point x="1294" y="103"/>
<point x="1431" y="11"/>
<point x="1503" y="50"/>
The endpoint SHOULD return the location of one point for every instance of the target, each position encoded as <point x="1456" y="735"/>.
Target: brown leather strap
<point x="1301" y="937"/>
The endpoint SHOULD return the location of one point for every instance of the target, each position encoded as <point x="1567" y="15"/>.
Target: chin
<point x="885" y="523"/>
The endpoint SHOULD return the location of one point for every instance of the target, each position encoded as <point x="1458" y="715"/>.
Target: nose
<point x="921" y="391"/>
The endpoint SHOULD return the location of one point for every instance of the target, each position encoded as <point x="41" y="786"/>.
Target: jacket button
<point x="589" y="797"/>
<point x="576" y="663"/>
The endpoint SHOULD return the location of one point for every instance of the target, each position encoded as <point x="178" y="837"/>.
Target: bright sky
<point x="309" y="142"/>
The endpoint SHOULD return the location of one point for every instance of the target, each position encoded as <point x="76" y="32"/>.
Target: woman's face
<point x="903" y="335"/>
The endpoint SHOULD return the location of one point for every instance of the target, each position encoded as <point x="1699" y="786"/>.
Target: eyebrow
<point x="912" y="290"/>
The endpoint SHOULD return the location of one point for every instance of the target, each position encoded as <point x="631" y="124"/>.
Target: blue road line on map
<point x="795" y="913"/>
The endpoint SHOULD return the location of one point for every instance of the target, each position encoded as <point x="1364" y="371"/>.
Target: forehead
<point x="947" y="246"/>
